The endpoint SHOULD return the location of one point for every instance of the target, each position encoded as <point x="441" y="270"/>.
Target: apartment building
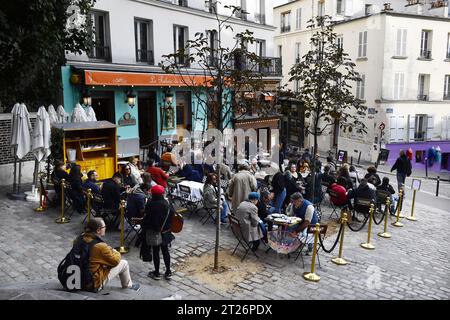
<point x="402" y="52"/>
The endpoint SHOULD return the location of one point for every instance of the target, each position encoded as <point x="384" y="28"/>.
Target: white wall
<point x="123" y="12"/>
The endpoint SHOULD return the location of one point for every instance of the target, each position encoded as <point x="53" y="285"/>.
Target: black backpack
<point x="76" y="263"/>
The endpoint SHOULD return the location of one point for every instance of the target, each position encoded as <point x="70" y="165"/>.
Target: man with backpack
<point x="98" y="263"/>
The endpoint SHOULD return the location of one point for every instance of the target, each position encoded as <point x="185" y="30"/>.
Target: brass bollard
<point x="385" y="234"/>
<point x="122" y="249"/>
<point x="339" y="260"/>
<point x="62" y="219"/>
<point x="401" y="195"/>
<point x="88" y="211"/>
<point x="41" y="207"/>
<point x="311" y="276"/>
<point x="412" y="218"/>
<point x="397" y="223"/>
<point x="369" y="245"/>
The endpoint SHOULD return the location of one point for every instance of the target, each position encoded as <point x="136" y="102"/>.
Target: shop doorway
<point x="184" y="110"/>
<point x="103" y="105"/>
<point x="147" y="117"/>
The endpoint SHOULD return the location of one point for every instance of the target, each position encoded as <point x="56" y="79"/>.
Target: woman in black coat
<point x="158" y="218"/>
<point x="77" y="188"/>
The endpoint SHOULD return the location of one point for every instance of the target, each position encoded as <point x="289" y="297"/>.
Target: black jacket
<point x="387" y="187"/>
<point x="402" y="165"/>
<point x="111" y="194"/>
<point x="278" y="183"/>
<point x="377" y="178"/>
<point x="156" y="211"/>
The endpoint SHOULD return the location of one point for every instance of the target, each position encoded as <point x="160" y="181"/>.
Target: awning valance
<point x="112" y="78"/>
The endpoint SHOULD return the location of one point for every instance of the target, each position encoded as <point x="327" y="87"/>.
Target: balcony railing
<point x="271" y="66"/>
<point x="285" y="28"/>
<point x="260" y="18"/>
<point x="422" y="97"/>
<point x="99" y="52"/>
<point x="143" y="55"/>
<point x="425" y="54"/>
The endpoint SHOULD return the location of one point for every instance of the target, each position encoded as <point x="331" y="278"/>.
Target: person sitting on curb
<point x="247" y="214"/>
<point x="305" y="210"/>
<point x="105" y="263"/>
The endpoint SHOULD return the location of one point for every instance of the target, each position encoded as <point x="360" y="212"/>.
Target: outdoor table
<point x="283" y="222"/>
<point x="196" y="189"/>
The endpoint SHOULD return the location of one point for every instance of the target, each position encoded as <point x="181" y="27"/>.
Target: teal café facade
<point x="136" y="103"/>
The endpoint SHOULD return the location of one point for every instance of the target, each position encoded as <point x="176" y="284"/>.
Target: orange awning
<point x="110" y="78"/>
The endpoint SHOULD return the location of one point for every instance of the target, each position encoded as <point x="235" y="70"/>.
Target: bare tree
<point x="226" y="72"/>
<point x="325" y="75"/>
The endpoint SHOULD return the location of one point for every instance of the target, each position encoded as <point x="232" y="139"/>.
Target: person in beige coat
<point x="240" y="186"/>
<point x="247" y="214"/>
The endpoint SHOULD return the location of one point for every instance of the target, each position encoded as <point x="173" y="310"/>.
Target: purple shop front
<point x="420" y="152"/>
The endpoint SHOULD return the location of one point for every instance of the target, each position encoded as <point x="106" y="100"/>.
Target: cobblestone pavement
<point x="413" y="264"/>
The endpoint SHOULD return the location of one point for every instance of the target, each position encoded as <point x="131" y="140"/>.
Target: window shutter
<point x="398" y="52"/>
<point x="448" y="128"/>
<point x="401" y="90"/>
<point x="392" y="129"/>
<point x="400" y="128"/>
<point x="396" y="85"/>
<point x="405" y="32"/>
<point x="444" y="128"/>
<point x="363" y="84"/>
<point x="411" y="127"/>
<point x="360" y="44"/>
<point x="365" y="44"/>
<point x="430" y="127"/>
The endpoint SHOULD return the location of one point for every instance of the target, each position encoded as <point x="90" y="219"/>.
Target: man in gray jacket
<point x="247" y="214"/>
<point x="241" y="185"/>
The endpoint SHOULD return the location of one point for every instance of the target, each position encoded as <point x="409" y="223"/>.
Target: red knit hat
<point x="157" y="190"/>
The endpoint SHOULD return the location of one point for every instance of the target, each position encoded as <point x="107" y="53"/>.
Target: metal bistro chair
<point x="237" y="232"/>
<point x="309" y="239"/>
<point x="210" y="213"/>
<point x="109" y="215"/>
<point x="382" y="196"/>
<point x="361" y="206"/>
<point x="333" y="206"/>
<point x="187" y="201"/>
<point x="135" y="227"/>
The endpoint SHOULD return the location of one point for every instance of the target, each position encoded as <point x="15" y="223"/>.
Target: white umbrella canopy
<point x="63" y="116"/>
<point x="79" y="115"/>
<point x="53" y="116"/>
<point x="41" y="135"/>
<point x="14" y="121"/>
<point x="21" y="128"/>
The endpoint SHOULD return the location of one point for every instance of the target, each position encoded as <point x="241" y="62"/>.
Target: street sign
<point x="416" y="183"/>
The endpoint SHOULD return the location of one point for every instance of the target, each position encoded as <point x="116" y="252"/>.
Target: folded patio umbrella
<point x="41" y="135"/>
<point x="90" y="114"/>
<point x="63" y="116"/>
<point x="53" y="116"/>
<point x="79" y="115"/>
